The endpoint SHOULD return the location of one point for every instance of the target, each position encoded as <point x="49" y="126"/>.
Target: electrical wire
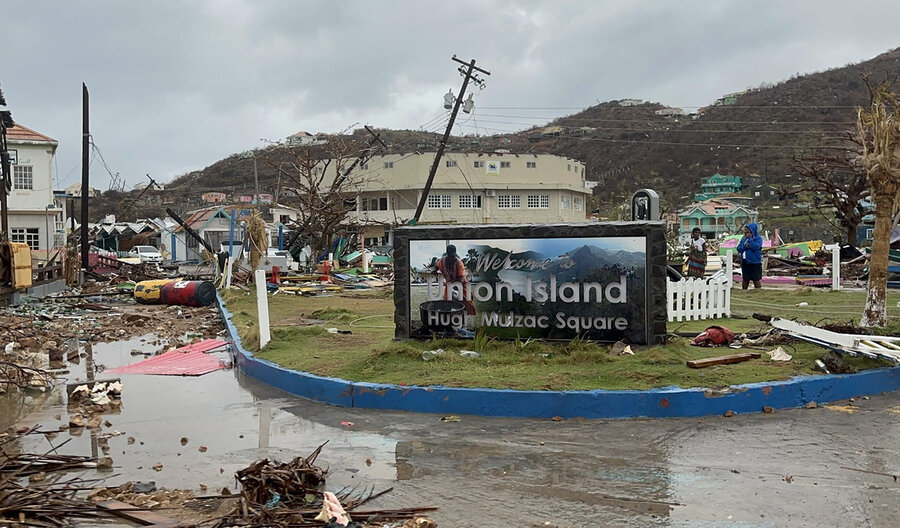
<point x="649" y="119"/>
<point x="639" y="107"/>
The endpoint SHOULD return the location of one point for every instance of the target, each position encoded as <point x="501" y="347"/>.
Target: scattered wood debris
<point x="291" y="494"/>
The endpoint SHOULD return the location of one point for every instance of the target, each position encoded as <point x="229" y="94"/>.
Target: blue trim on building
<point x="663" y="402"/>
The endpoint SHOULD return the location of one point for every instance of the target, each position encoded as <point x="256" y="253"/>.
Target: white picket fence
<point x="693" y="299"/>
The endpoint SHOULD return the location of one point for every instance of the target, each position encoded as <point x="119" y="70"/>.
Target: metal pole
<point x="437" y="158"/>
<point x="231" y="236"/>
<point x="255" y="180"/>
<point x="85" y="174"/>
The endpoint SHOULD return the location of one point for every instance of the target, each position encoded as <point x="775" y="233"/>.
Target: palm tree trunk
<point x="875" y="313"/>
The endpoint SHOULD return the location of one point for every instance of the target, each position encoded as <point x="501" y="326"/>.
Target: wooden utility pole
<point x="85" y="174"/>
<point x="467" y="70"/>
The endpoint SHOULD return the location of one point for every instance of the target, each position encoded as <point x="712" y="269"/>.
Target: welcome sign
<point x="559" y="281"/>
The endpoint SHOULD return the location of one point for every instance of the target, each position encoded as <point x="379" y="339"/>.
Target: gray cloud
<point x="178" y="85"/>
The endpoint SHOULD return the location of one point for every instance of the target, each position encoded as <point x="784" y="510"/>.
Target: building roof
<point x="302" y="133"/>
<point x="708" y="207"/>
<point x="21" y="133"/>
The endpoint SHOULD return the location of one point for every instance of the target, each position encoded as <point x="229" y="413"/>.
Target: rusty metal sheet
<point x="190" y="360"/>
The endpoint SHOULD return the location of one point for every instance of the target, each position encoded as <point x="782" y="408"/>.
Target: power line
<point x="641" y="107"/>
<point x="713" y="145"/>
<point x="648" y="118"/>
<point x="680" y="130"/>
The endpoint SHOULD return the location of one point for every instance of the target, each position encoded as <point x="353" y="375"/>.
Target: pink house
<point x="245" y="199"/>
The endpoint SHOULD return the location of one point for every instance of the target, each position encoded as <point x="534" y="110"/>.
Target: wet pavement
<point x="761" y="470"/>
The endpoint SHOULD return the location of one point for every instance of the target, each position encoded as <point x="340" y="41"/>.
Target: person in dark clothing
<point x="750" y="249"/>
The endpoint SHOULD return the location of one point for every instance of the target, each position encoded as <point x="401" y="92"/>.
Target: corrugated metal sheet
<point x="191" y="360"/>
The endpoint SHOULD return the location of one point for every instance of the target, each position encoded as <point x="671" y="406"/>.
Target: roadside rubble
<point x="44" y="326"/>
<point x="47" y="498"/>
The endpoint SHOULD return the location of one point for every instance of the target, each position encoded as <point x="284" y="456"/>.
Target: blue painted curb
<point x="664" y="402"/>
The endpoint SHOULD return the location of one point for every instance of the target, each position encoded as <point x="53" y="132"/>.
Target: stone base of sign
<point x="663" y="402"/>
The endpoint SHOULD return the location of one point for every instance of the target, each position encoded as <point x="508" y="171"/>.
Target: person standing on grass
<point x="697" y="254"/>
<point x="750" y="249"/>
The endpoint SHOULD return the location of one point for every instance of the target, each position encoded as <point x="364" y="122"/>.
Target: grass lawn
<point x="371" y="354"/>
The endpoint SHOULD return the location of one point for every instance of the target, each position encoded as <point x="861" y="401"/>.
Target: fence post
<point x="729" y="268"/>
<point x="262" y="308"/>
<point x="836" y="268"/>
<point x="228" y="272"/>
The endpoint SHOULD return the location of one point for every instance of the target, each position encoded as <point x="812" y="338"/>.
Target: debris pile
<point x="292" y="494"/>
<point x="46" y="499"/>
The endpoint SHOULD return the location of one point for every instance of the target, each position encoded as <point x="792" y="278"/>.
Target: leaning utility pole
<point x="467" y="71"/>
<point x="85" y="174"/>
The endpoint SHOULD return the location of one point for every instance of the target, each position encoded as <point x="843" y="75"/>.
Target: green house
<point x="714" y="217"/>
<point x="718" y="185"/>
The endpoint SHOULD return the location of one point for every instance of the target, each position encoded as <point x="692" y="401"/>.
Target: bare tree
<point x="840" y="183"/>
<point x="879" y="129"/>
<point x="323" y="189"/>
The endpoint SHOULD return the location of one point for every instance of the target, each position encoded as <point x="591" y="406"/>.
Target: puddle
<point x="236" y="424"/>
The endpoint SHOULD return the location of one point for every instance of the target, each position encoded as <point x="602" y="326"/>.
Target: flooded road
<point x="761" y="470"/>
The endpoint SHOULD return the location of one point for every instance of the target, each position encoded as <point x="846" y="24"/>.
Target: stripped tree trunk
<point x="879" y="129"/>
<point x="875" y="313"/>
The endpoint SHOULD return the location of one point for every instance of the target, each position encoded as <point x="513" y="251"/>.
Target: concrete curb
<point x="663" y="402"/>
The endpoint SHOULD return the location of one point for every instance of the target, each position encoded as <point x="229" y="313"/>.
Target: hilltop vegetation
<point x="629" y="147"/>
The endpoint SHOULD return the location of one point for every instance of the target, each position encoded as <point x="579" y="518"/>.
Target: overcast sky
<point x="176" y="86"/>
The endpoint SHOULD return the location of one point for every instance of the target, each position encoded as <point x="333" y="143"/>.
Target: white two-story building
<point x="469" y="188"/>
<point x="35" y="215"/>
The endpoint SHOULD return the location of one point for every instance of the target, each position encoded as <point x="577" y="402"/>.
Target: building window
<point x="564" y="201"/>
<point x="26" y="235"/>
<point x="870" y="234"/>
<point x="451" y="163"/>
<point x="440" y="201"/>
<point x="373" y="241"/>
<point x="578" y="203"/>
<point x="22" y="177"/>
<point x="569" y="167"/>
<point x="504" y="164"/>
<point x="530" y="164"/>
<point x="364" y="166"/>
<point x="538" y="201"/>
<point x="388" y="164"/>
<point x="479" y="164"/>
<point x="509" y="201"/>
<point x="377" y="204"/>
<point x="756" y="193"/>
<point x="284" y="219"/>
<point x="469" y="201"/>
